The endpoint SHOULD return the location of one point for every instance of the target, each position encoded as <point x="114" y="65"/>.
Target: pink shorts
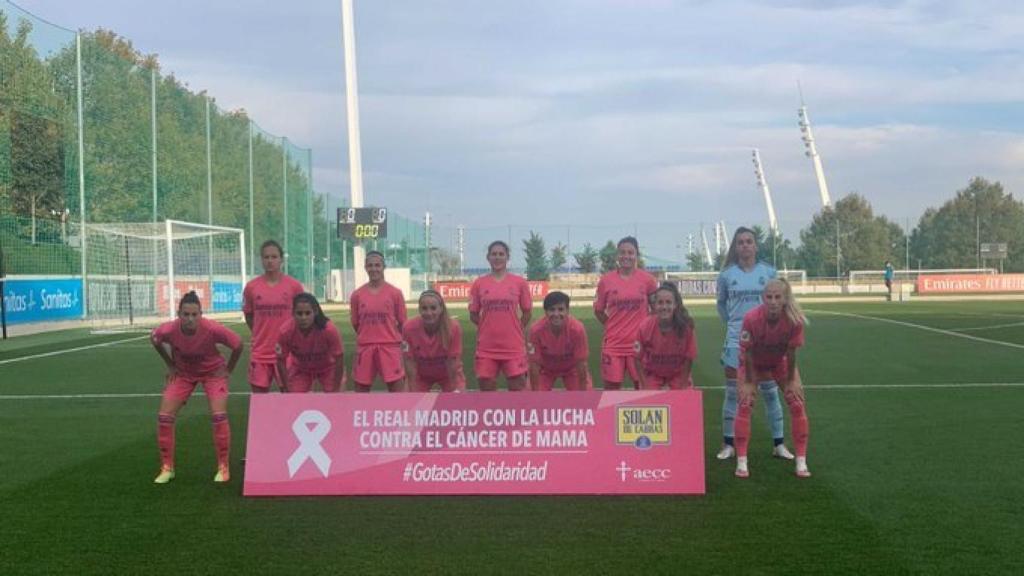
<point x="778" y="372"/>
<point x="614" y="368"/>
<point x="263" y="374"/>
<point x="378" y="359"/>
<point x="655" y="382"/>
<point x="427" y="384"/>
<point x="301" y="381"/>
<point x="489" y="368"/>
<point x="181" y="387"/>
<point x="570" y="379"/>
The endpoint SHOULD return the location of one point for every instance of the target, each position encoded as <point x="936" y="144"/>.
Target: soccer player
<point x="432" y="348"/>
<point x="500" y="306"/>
<point x="309" y="349"/>
<point x="622" y="303"/>
<point x="378" y="313"/>
<point x="267" y="305"/>
<point x="769" y="338"/>
<point x="740" y="285"/>
<point x="188" y="346"/>
<point x="666" y="344"/>
<point x="889" y="273"/>
<point x="557" y="347"/>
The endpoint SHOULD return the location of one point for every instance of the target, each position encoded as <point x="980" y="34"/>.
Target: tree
<point x="558" y="256"/>
<point x="536" y="258"/>
<point x="586" y="260"/>
<point x="781" y="255"/>
<point x="609" y="257"/>
<point x="695" y="262"/>
<point x="948" y="237"/>
<point x="864" y="240"/>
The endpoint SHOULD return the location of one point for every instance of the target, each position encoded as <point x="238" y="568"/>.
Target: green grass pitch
<point x="909" y="478"/>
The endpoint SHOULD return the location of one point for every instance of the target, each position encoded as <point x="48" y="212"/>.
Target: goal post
<point x="137" y="272"/>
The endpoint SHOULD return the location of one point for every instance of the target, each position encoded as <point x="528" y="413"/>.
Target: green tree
<point x="536" y="258"/>
<point x="781" y="254"/>
<point x="609" y="256"/>
<point x="864" y="240"/>
<point x="558" y="256"/>
<point x="586" y="260"/>
<point x="695" y="262"/>
<point x="948" y="237"/>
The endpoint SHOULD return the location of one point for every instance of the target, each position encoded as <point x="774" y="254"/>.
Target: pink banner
<point x="459" y="291"/>
<point x="475" y="443"/>
<point x="961" y="283"/>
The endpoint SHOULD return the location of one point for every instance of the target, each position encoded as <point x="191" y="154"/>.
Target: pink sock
<point x="222" y="438"/>
<point x="165" y="439"/>
<point x="799" y="423"/>
<point x="741" y="428"/>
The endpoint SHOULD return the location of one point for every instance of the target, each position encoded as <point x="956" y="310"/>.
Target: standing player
<point x="622" y="303"/>
<point x="740" y="285"/>
<point x="267" y="305"/>
<point x="771" y="334"/>
<point x="558" y="347"/>
<point x="188" y="346"/>
<point x="432" y="348"/>
<point x="309" y="349"/>
<point x="378" y="313"/>
<point x="499" y="304"/>
<point x="889" y="273"/>
<point x="666" y="344"/>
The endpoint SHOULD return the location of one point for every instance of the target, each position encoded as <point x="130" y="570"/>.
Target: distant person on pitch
<point x="557" y="348"/>
<point x="188" y="346"/>
<point x="770" y="336"/>
<point x="432" y="348"/>
<point x="310" y="350"/>
<point x="666" y="344"/>
<point x="378" y="314"/>
<point x="889" y="273"/>
<point x="621" y="305"/>
<point x="267" y="305"/>
<point x="740" y="285"/>
<point x="500" y="305"/>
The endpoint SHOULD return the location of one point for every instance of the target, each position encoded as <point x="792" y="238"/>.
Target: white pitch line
<point x="67" y="350"/>
<point x="945" y="385"/>
<point x="922" y="327"/>
<point x="992" y="327"/>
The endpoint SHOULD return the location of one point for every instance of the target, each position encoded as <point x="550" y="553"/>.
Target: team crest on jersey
<point x="637" y="346"/>
<point x="745" y="336"/>
<point x="761" y="280"/>
<point x="529" y="348"/>
<point x="277" y="349"/>
<point x="734" y="282"/>
<point x="405" y="346"/>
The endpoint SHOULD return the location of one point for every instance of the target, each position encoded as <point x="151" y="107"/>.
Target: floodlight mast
<point x="762" y="183"/>
<point x="707" y="247"/>
<point x="355" y="157"/>
<point x="812" y="152"/>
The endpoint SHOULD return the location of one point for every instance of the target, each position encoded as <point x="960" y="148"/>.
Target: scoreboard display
<point x="362" y="223"/>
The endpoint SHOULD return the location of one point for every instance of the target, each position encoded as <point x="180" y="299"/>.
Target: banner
<point x="43" y="300"/>
<point x="166" y="302"/>
<point x="966" y="283"/>
<point x="459" y="291"/>
<point x="475" y="443"/>
<point x="227" y="296"/>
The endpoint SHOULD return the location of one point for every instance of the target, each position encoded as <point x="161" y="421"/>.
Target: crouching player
<point x="309" y="349"/>
<point x="666" y="344"/>
<point x="771" y="334"/>
<point x="193" y="358"/>
<point x="432" y="348"/>
<point x="557" y="347"/>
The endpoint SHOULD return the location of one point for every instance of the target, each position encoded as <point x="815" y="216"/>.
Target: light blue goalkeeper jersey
<point x="738" y="293"/>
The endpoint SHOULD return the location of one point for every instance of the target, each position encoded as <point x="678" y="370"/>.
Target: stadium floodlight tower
<point x="707" y="247"/>
<point x="812" y="152"/>
<point x="762" y="183"/>
<point x="355" y="157"/>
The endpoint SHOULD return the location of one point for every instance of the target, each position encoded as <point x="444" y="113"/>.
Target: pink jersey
<point x="428" y="351"/>
<point x="663" y="354"/>
<point x="769" y="341"/>
<point x="312" y="352"/>
<point x="500" y="304"/>
<point x="625" y="301"/>
<point x="270" y="307"/>
<point x="196" y="354"/>
<point x="378" y="317"/>
<point x="558" y="353"/>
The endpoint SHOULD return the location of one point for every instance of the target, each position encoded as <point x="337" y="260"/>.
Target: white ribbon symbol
<point x="309" y="442"/>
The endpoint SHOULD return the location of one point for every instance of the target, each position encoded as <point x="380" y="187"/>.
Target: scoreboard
<point x="362" y="223"/>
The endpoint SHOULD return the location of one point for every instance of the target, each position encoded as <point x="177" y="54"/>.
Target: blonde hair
<point x="444" y="322"/>
<point x="791" y="308"/>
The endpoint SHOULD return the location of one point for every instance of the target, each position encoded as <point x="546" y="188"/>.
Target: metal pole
<point x="284" y="191"/>
<point x="209" y="194"/>
<point x="309" y="218"/>
<point x="252" y="216"/>
<point x="152" y="123"/>
<point x="355" y="158"/>
<point x="81" y="176"/>
<point x="837" y="247"/>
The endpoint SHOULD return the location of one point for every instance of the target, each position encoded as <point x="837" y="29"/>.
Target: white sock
<point x="741" y="463"/>
<point x="801" y="463"/>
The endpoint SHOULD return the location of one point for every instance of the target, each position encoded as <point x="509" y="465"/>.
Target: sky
<point x="586" y="120"/>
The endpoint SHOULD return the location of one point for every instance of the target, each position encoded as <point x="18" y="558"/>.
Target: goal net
<point x="135" y="273"/>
